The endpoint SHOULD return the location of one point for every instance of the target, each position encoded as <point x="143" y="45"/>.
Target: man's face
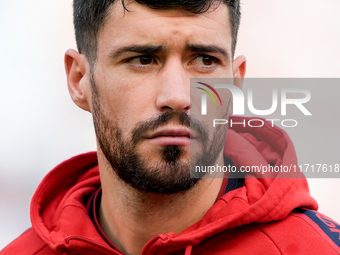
<point x="141" y="91"/>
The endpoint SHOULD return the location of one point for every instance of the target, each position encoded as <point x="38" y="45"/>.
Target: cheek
<point x="126" y="101"/>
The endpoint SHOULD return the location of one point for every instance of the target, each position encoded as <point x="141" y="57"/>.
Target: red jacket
<point x="261" y="216"/>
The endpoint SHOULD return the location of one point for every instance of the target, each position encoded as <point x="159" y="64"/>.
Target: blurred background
<point x="41" y="127"/>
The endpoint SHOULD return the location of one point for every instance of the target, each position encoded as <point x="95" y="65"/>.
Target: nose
<point x="174" y="88"/>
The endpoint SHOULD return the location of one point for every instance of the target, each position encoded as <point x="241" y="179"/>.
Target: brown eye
<point x="145" y="60"/>
<point x="207" y="60"/>
<point x="205" y="63"/>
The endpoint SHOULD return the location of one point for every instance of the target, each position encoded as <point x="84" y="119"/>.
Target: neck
<point x="130" y="218"/>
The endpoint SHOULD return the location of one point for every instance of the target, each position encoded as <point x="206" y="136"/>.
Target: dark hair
<point x="89" y="17"/>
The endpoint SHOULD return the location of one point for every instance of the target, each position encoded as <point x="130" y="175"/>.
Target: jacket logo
<point x="327" y="225"/>
<point x="330" y="223"/>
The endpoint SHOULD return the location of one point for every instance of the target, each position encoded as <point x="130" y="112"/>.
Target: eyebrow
<point x="142" y="49"/>
<point x="152" y="49"/>
<point x="207" y="49"/>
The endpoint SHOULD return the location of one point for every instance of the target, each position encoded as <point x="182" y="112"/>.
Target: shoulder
<point x="304" y="231"/>
<point x="27" y="244"/>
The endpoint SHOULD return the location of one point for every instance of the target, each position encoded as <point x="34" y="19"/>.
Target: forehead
<point x="143" y="25"/>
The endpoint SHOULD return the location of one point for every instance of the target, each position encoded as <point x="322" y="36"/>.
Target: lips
<point x="172" y="132"/>
<point x="171" y="136"/>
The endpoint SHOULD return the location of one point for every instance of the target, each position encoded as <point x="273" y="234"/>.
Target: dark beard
<point x="169" y="176"/>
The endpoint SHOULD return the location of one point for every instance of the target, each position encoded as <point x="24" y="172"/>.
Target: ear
<point x="77" y="71"/>
<point x="239" y="70"/>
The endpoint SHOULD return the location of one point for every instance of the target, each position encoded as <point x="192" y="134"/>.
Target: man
<point x="135" y="195"/>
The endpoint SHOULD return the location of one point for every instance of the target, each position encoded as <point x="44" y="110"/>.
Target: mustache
<point x="165" y="118"/>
